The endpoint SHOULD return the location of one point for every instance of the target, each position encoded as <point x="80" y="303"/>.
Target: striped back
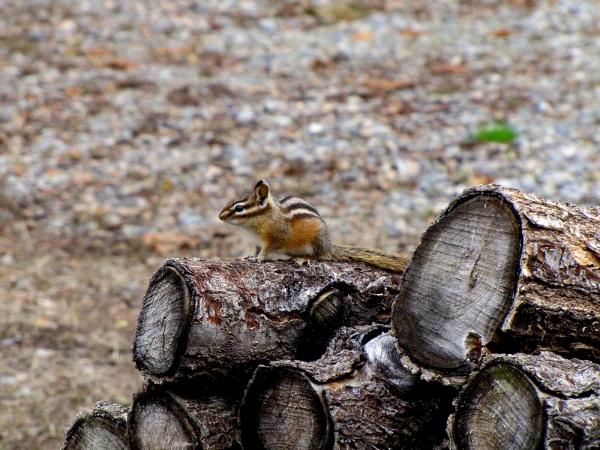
<point x="295" y="207"/>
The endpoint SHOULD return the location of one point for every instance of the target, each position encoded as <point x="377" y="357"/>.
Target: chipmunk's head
<point x="245" y="210"/>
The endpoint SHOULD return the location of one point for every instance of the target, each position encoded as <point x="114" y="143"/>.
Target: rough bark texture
<point x="358" y="395"/>
<point x="218" y="317"/>
<point x="102" y="428"/>
<point x="162" y="418"/>
<point x="506" y="270"/>
<point x="529" y="402"/>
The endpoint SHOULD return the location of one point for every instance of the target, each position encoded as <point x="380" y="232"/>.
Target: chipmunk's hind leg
<point x="321" y="248"/>
<point x="322" y="245"/>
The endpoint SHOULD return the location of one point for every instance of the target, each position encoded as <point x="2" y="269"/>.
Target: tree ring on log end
<point x="499" y="410"/>
<point x="97" y="432"/>
<point x="460" y="283"/>
<point x="282" y="410"/>
<point x="164" y="317"/>
<point x="156" y="421"/>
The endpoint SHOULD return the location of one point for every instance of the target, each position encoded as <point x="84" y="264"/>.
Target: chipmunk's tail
<point x="396" y="263"/>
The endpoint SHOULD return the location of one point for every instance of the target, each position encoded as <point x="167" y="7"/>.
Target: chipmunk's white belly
<point x="306" y="250"/>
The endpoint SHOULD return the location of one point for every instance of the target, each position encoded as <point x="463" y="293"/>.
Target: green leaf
<point x="496" y="132"/>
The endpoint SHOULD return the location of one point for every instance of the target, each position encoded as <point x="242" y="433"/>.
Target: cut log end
<point x="163" y="318"/>
<point x="97" y="433"/>
<point x="499" y="410"/>
<point x="158" y="422"/>
<point x="103" y="428"/>
<point x="282" y="410"/>
<point x="460" y="283"/>
<point x="326" y="310"/>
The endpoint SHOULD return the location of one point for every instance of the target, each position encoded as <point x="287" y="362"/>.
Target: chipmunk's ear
<point x="261" y="190"/>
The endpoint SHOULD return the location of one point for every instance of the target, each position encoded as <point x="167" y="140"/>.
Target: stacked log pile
<point x="490" y="340"/>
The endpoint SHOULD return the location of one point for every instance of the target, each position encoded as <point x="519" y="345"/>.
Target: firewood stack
<point x="490" y="340"/>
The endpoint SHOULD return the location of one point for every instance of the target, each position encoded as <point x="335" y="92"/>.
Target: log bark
<point x="221" y="317"/>
<point x="102" y="428"/>
<point x="504" y="270"/>
<point x="181" y="418"/>
<point x="529" y="402"/>
<point x="358" y="395"/>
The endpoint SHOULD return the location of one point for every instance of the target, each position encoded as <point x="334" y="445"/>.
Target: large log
<point x="181" y="417"/>
<point x="102" y="428"/>
<point x="504" y="270"/>
<point x="221" y="317"/>
<point x="529" y="402"/>
<point x="358" y="395"/>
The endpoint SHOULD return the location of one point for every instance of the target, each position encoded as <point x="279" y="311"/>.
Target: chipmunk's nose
<point x="223" y="214"/>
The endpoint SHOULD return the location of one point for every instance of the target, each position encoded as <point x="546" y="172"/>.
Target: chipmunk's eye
<point x="239" y="208"/>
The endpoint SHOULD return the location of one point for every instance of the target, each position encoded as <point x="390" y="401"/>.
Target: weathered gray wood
<point x="529" y="402"/>
<point x="163" y="320"/>
<point x="501" y="410"/>
<point x="284" y="411"/>
<point x="162" y="418"/>
<point x="102" y="428"/>
<point x="219" y="317"/>
<point x="504" y="270"/>
<point x="358" y="395"/>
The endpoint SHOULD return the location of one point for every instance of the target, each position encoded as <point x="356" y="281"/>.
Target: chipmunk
<point x="293" y="227"/>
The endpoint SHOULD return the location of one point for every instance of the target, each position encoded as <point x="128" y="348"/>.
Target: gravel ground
<point x="125" y="127"/>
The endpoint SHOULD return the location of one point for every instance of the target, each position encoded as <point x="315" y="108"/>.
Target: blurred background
<point x="125" y="126"/>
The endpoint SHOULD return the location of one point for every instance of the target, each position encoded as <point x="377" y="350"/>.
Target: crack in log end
<point x="281" y="409"/>
<point x="462" y="279"/>
<point x="156" y="421"/>
<point x="163" y="320"/>
<point x="474" y="273"/>
<point x="499" y="410"/>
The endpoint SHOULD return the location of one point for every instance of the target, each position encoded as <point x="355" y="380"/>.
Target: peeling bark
<point x="358" y="395"/>
<point x="504" y="270"/>
<point x="102" y="428"/>
<point x="529" y="402"/>
<point x="219" y="317"/>
<point x="162" y="418"/>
